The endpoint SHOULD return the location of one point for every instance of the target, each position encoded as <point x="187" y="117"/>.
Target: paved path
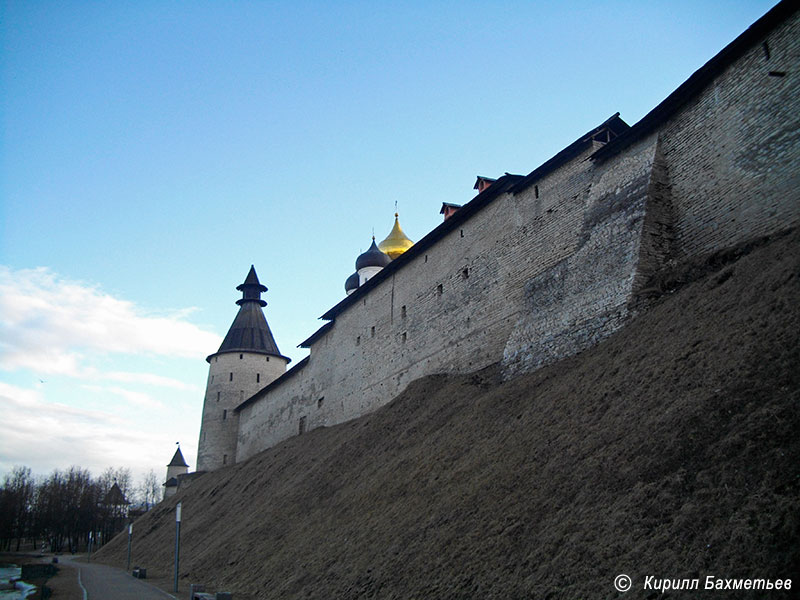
<point x="101" y="582"/>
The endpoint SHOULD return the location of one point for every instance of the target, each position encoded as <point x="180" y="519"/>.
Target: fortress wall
<point x="585" y="296"/>
<point x="532" y="278"/>
<point x="481" y="268"/>
<point x="733" y="152"/>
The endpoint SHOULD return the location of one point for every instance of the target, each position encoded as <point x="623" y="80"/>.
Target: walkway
<point x="101" y="582"/>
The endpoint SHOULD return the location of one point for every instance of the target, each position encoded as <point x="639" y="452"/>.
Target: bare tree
<point x="150" y="490"/>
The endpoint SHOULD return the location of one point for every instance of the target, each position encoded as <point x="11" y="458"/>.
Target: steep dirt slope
<point x="671" y="449"/>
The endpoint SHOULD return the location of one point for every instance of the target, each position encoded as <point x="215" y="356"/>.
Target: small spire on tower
<point x="251" y="289"/>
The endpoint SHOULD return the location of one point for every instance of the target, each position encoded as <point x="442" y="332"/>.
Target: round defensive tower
<point x="247" y="360"/>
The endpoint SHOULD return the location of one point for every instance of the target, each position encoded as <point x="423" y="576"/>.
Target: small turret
<point x="176" y="467"/>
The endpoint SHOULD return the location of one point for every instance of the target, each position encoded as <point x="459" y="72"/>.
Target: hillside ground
<point x="669" y="450"/>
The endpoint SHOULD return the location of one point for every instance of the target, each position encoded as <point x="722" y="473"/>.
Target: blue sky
<point x="151" y="151"/>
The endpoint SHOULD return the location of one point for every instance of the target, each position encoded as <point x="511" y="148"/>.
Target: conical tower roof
<point x="397" y="242"/>
<point x="249" y="331"/>
<point x="178" y="460"/>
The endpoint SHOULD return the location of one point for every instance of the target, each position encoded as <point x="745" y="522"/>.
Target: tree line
<point x="66" y="509"/>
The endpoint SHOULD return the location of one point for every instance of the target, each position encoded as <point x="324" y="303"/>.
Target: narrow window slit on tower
<point x="439" y="289"/>
<point x="404" y="337"/>
<point x="218" y="396"/>
<point x="302" y="426"/>
<point x="320" y="402"/>
<point x="403" y="311"/>
<point x="465" y="273"/>
<point x="765" y="46"/>
<point x="231" y="377"/>
<point x="241" y="356"/>
<point x="358" y="340"/>
<point x="224" y="415"/>
<point x="224" y="459"/>
<point x="372" y="331"/>
<point x="536" y="191"/>
<point x="777" y="73"/>
<point x="258" y="377"/>
<point x="462" y="233"/>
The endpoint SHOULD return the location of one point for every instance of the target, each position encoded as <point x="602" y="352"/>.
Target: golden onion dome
<point x="397" y="242"/>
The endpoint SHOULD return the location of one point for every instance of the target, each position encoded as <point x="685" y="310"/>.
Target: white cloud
<point x="137" y="399"/>
<point x="49" y="324"/>
<point x="150" y="379"/>
<point x="46" y="435"/>
<point x="97" y="405"/>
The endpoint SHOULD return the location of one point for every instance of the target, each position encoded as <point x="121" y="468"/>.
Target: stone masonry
<point x="552" y="264"/>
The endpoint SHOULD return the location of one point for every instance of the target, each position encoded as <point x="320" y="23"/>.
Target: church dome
<point x="397" y="242"/>
<point x="372" y="258"/>
<point x="351" y="284"/>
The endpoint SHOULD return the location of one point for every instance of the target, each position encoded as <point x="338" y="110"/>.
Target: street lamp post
<point x="130" y="535"/>
<point x="177" y="542"/>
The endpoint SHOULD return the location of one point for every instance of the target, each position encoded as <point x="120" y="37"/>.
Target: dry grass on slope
<point x="671" y="450"/>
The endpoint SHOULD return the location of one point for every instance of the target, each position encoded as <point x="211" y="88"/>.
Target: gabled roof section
<point x="315" y="336"/>
<point x="608" y="130"/>
<point x="177" y="460"/>
<point x="700" y="79"/>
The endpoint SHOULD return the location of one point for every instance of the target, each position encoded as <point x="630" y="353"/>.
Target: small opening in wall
<point x="258" y="377"/>
<point x="462" y="233"/>
<point x="536" y="191"/>
<point x="404" y="337"/>
<point x="358" y="340"/>
<point x="224" y="415"/>
<point x="765" y="46"/>
<point x="224" y="459"/>
<point x="268" y="359"/>
<point x="426" y="258"/>
<point x="465" y="273"/>
<point x="365" y="301"/>
<point x="372" y="331"/>
<point x="218" y="396"/>
<point x="403" y="311"/>
<point x="302" y="427"/>
<point x="777" y="73"/>
<point x="320" y="402"/>
<point x="241" y="396"/>
<point x="212" y="379"/>
<point x="231" y="377"/>
<point x="439" y="289"/>
<point x="241" y="356"/>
